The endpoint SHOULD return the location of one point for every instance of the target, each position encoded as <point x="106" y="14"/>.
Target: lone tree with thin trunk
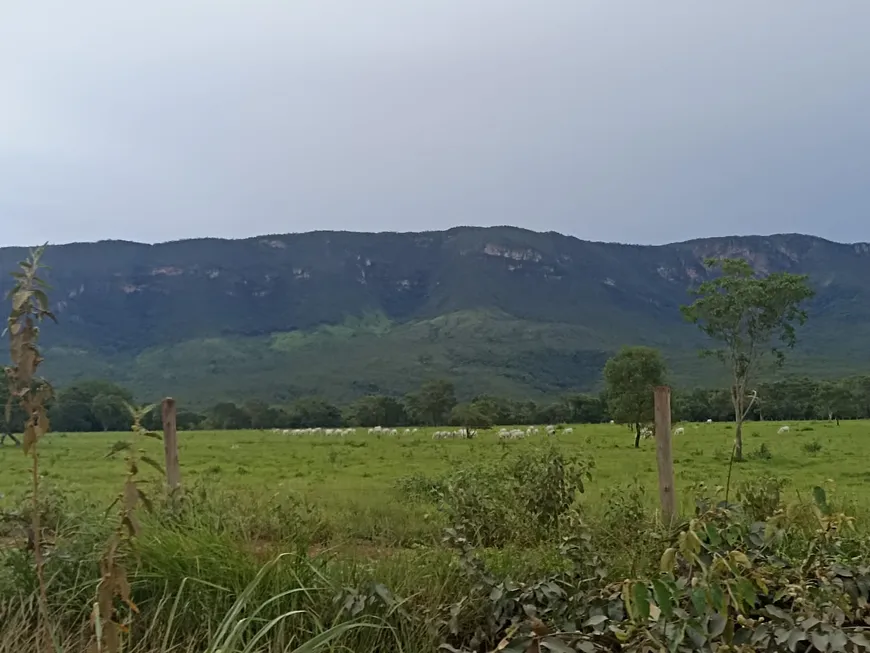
<point x="750" y="317"/>
<point x="630" y="377"/>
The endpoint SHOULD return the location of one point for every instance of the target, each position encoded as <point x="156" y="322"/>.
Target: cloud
<point x="606" y="120"/>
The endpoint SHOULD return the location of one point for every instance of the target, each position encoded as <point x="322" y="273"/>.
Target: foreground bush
<point x="236" y="573"/>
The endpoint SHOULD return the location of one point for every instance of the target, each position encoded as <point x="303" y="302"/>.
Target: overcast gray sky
<point x="629" y="121"/>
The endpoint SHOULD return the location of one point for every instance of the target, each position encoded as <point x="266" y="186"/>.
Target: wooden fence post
<point x="170" y="445"/>
<point x="664" y="458"/>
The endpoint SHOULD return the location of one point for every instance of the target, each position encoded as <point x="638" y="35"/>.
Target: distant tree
<point x="750" y="316"/>
<point x="376" y="410"/>
<point x="860" y="388"/>
<point x="433" y="403"/>
<point x="630" y="377"/>
<point x="14" y="421"/>
<point x="496" y="409"/>
<point x="557" y="412"/>
<point x="311" y="412"/>
<point x="261" y="415"/>
<point x="73" y="417"/>
<point x="228" y="416"/>
<point x="470" y="417"/>
<point x="693" y="406"/>
<point x="111" y="412"/>
<point x="585" y="409"/>
<point x="834" y="399"/>
<point x="86" y="391"/>
<point x="185" y="420"/>
<point x="525" y="412"/>
<point x="91" y="406"/>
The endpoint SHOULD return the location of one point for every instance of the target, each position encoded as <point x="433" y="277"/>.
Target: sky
<point x="642" y="122"/>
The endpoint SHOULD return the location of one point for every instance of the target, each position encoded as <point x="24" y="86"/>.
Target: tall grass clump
<point x="30" y="306"/>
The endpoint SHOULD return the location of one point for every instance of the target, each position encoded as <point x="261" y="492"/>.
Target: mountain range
<point x="498" y="310"/>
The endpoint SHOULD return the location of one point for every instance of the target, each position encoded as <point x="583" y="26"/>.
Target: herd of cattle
<point x="464" y="433"/>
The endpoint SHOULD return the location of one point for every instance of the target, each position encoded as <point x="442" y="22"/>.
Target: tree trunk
<point x="737" y="400"/>
<point x="637" y="437"/>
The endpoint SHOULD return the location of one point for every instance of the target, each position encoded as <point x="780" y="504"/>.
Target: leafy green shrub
<point x="812" y="448"/>
<point x="723" y="583"/>
<point x="519" y="498"/>
<point x="762" y="453"/>
<point x="761" y="498"/>
<point x="419" y="487"/>
<point x="625" y="508"/>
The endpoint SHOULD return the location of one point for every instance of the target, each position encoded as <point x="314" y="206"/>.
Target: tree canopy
<point x="751" y="318"/>
<point x="630" y="377"/>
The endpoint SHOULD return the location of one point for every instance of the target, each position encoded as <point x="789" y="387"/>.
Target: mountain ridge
<point x="122" y="241"/>
<point x="498" y="309"/>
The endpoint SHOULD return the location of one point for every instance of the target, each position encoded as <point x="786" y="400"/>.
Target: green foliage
<point x="812" y="447"/>
<point x="92" y="406"/>
<point x="228" y="416"/>
<point x="761" y="498"/>
<point x="723" y="583"/>
<point x="762" y="453"/>
<point x="312" y="412"/>
<point x="470" y="416"/>
<point x="209" y="321"/>
<point x="369" y="551"/>
<point x="521" y="497"/>
<point x="376" y="410"/>
<point x="433" y="402"/>
<point x="750" y="317"/>
<point x="630" y="377"/>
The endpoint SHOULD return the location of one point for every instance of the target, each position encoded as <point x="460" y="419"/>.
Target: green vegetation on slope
<point x="500" y="310"/>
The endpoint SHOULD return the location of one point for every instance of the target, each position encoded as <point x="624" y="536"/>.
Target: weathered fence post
<point x="664" y="458"/>
<point x="170" y="445"/>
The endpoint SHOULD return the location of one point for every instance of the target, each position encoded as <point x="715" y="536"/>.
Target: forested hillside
<point x="501" y="311"/>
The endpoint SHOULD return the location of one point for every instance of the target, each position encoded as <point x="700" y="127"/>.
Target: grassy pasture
<point x="332" y="506"/>
<point x="355" y="476"/>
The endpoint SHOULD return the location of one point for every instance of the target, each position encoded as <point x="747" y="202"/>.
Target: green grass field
<point x="359" y="472"/>
<point x="338" y="514"/>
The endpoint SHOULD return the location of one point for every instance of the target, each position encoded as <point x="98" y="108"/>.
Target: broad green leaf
<point x="838" y="641"/>
<point x="557" y="645"/>
<point x="795" y="637"/>
<point x="809" y="622"/>
<point x="717" y="625"/>
<point x="595" y="620"/>
<point x="640" y="601"/>
<point x="747" y="592"/>
<point x="820" y="641"/>
<point x="663" y="598"/>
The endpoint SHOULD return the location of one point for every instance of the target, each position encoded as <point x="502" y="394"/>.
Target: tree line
<point x="102" y="406"/>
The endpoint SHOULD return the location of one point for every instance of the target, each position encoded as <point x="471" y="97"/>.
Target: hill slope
<point x="499" y="310"/>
